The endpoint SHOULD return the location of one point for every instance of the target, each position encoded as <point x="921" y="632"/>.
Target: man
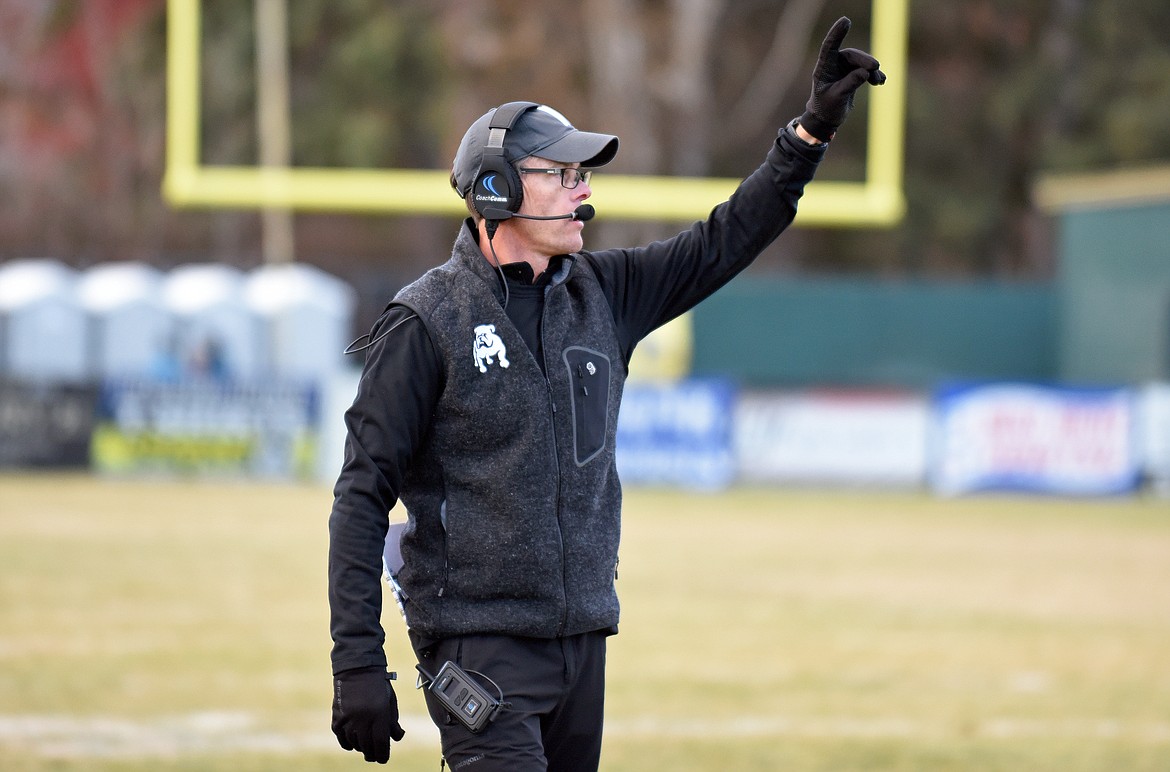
<point x="488" y="405"/>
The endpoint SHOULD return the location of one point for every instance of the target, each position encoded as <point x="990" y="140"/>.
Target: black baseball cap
<point x="539" y="131"/>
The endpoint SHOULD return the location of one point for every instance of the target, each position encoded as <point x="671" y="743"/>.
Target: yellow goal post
<point x="877" y="200"/>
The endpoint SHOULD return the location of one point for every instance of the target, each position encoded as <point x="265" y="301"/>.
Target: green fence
<point x="805" y="332"/>
<point x="1115" y="296"/>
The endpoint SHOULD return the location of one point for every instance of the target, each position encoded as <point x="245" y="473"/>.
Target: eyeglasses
<point x="570" y="177"/>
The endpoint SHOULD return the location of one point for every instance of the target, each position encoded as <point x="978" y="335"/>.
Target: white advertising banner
<point x="833" y="437"/>
<point x="1154" y="435"/>
<point x="1019" y="437"/>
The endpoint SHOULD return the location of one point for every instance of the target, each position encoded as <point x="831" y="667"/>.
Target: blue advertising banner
<point x="1020" y="437"/>
<point x="677" y="434"/>
<point x="264" y="429"/>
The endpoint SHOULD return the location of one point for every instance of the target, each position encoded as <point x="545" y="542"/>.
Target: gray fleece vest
<point x="513" y="498"/>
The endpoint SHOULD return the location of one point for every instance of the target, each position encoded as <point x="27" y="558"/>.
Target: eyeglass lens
<point x="571" y="177"/>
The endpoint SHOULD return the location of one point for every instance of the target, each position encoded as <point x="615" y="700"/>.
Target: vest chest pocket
<point x="589" y="387"/>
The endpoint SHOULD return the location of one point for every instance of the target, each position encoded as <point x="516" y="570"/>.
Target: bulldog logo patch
<point x="488" y="346"/>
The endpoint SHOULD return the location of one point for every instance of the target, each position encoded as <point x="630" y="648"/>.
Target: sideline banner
<point x="46" y="425"/>
<point x="677" y="434"/>
<point x="1154" y="434"/>
<point x="833" y="437"/>
<point x="207" y="427"/>
<point x="1019" y="437"/>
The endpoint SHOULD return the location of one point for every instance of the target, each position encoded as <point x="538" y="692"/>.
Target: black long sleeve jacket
<point x="404" y="376"/>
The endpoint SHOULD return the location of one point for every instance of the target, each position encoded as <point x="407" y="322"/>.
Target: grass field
<point x="172" y="625"/>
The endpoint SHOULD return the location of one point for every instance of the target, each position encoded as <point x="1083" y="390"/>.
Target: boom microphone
<point x="584" y="213"/>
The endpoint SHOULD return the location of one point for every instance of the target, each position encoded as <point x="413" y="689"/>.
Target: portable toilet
<point x="130" y="329"/>
<point x="216" y="334"/>
<point x="305" y="317"/>
<point x="42" y="324"/>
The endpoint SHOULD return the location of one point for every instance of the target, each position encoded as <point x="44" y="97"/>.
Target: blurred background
<point x="1033" y="248"/>
<point x="862" y="410"/>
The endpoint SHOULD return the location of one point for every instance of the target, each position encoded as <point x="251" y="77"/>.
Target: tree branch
<point x="780" y="66"/>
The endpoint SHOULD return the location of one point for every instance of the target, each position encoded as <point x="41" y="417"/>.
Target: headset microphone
<point x="494" y="216"/>
<point x="582" y="213"/>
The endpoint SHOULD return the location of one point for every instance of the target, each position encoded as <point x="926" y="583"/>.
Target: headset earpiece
<point x="497" y="184"/>
<point x="497" y="187"/>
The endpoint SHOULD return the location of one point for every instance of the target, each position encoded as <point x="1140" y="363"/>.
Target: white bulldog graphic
<point x="487" y="345"/>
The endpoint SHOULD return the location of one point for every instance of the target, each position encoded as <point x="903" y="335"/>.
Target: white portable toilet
<point x="130" y="328"/>
<point x="306" y="316"/>
<point x="42" y="324"/>
<point x="217" y="334"/>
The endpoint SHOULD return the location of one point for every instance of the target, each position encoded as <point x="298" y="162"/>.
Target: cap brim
<point x="584" y="147"/>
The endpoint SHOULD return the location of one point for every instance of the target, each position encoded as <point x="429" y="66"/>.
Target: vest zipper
<point x="552" y="402"/>
<point x="446" y="546"/>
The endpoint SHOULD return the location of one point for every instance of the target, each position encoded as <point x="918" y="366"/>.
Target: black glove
<point x="365" y="712"/>
<point x="838" y="75"/>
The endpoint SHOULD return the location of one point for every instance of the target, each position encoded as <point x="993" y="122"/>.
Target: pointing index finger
<point x="836" y="34"/>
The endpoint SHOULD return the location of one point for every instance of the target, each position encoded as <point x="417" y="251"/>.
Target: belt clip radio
<point x="463" y="697"/>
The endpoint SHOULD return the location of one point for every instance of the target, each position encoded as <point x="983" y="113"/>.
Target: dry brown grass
<point x="175" y="625"/>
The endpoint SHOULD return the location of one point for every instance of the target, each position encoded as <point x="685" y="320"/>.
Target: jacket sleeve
<point x="648" y="286"/>
<point x="396" y="395"/>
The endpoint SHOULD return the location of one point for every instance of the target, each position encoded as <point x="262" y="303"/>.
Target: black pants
<point x="556" y="691"/>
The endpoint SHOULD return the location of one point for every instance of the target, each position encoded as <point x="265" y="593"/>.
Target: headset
<point x="497" y="183"/>
<point x="497" y="193"/>
<point x="496" y="196"/>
